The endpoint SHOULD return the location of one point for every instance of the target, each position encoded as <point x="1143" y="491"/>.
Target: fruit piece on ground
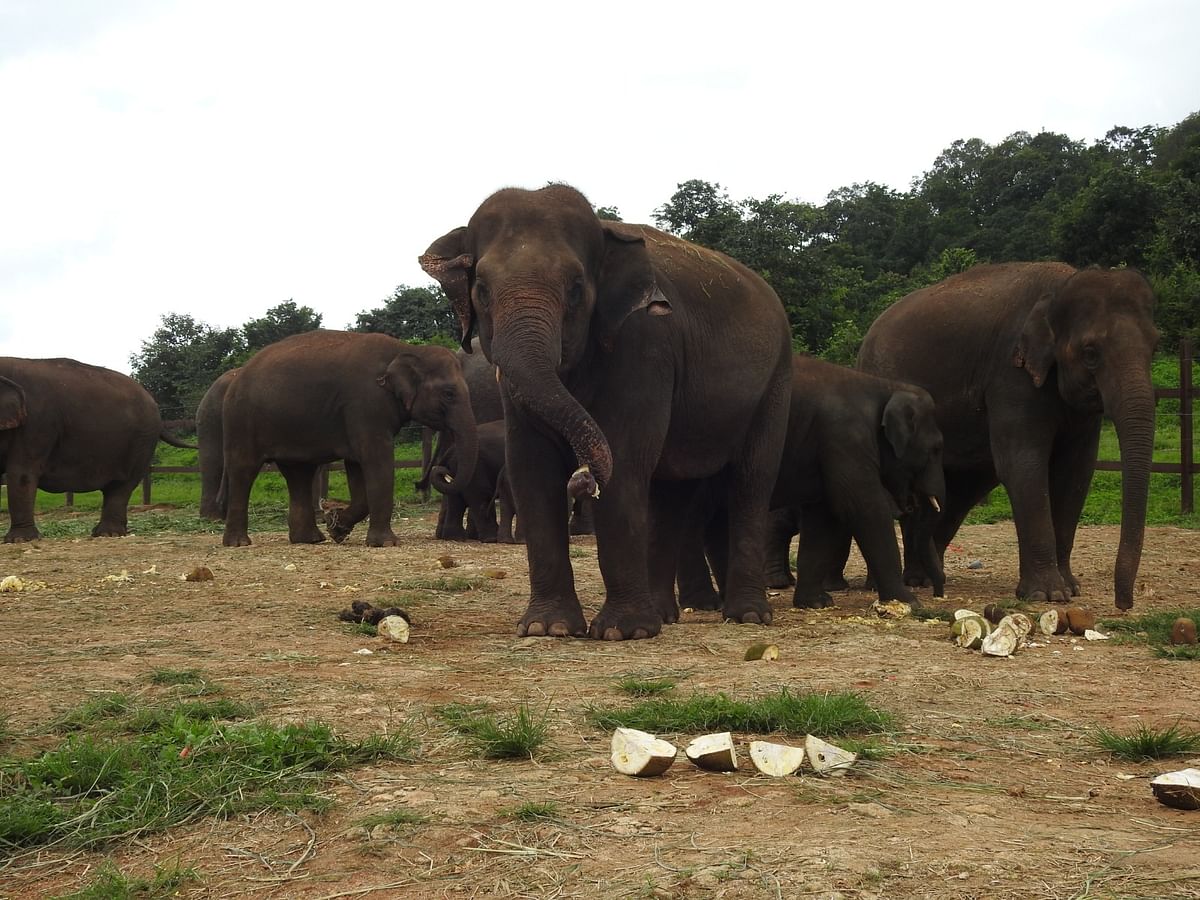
<point x="640" y="754"/>
<point x="1021" y="623"/>
<point x="762" y="651"/>
<point x="1178" y="789"/>
<point x="394" y="628"/>
<point x="964" y="613"/>
<point x="776" y="760"/>
<point x="970" y="631"/>
<point x="1183" y="631"/>
<point x="825" y="757"/>
<point x="1001" y="642"/>
<point x="1052" y="622"/>
<point x="714" y="752"/>
<point x="892" y="609"/>
<point x="1079" y="619"/>
<point x="994" y="612"/>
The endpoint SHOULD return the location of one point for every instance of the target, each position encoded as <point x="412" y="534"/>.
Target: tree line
<point x="1130" y="198"/>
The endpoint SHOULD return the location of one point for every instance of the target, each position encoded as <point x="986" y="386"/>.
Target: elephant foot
<point x="668" y="609"/>
<point x="812" y="600"/>
<point x="625" y="624"/>
<point x="106" y="530"/>
<point x="778" y="580"/>
<point x="547" y="619"/>
<point x="899" y="593"/>
<point x="382" y="539"/>
<point x="1049" y="588"/>
<point x="23" y="534"/>
<point x="836" y="583"/>
<point x="915" y="578"/>
<point x="306" y="537"/>
<point x="575" y="529"/>
<point x="236" y="540"/>
<point x="747" y="611"/>
<point x="1069" y="580"/>
<point x="700" y="599"/>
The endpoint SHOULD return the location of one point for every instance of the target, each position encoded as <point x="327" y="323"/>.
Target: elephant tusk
<point x="937" y="507"/>
<point x="583" y="482"/>
<point x="497" y="374"/>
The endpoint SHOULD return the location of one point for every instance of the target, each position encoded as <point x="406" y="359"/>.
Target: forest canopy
<point x="1129" y="198"/>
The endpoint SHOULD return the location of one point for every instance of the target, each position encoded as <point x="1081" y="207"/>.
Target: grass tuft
<point x="516" y="737"/>
<point x="1146" y="743"/>
<point x="545" y="811"/>
<point x="111" y="883"/>
<point x="785" y="712"/>
<point x="176" y="676"/>
<point x="645" y="687"/>
<point x="393" y="818"/>
<point x="137" y="770"/>
<point x="98" y="709"/>
<point x="450" y="584"/>
<point x="1154" y="628"/>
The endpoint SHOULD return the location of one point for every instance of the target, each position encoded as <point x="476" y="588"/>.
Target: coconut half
<point x="1052" y="622"/>
<point x="766" y="652"/>
<point x="1021" y="623"/>
<point x="1004" y="641"/>
<point x="776" y="760"/>
<point x="640" y="754"/>
<point x="826" y="758"/>
<point x="1080" y="620"/>
<point x="1178" y="789"/>
<point x="970" y="631"/>
<point x="714" y="752"/>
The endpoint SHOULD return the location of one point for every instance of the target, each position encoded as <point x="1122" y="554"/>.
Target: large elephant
<point x="632" y="364"/>
<point x="68" y="426"/>
<point x="1023" y="360"/>
<point x="320" y="396"/>
<point x="209" y="437"/>
<point x="859" y="451"/>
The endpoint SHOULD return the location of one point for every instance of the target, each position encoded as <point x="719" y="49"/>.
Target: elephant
<point x="633" y="365"/>
<point x="208" y="435"/>
<point x="69" y="426"/>
<point x="859" y="450"/>
<point x="1023" y="360"/>
<point x="477" y="498"/>
<point x="325" y="395"/>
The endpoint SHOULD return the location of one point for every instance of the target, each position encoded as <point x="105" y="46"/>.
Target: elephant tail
<point x="168" y="438"/>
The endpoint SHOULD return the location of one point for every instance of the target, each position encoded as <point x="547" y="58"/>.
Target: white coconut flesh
<point x="1178" y="789"/>
<point x="1021" y="624"/>
<point x="714" y="752"/>
<point x="640" y="754"/>
<point x="1052" y="622"/>
<point x="965" y="614"/>
<point x="825" y="757"/>
<point x="970" y="631"/>
<point x="776" y="760"/>
<point x="394" y="628"/>
<point x="1001" y="642"/>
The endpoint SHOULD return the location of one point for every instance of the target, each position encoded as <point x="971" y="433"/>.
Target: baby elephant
<point x="860" y="450"/>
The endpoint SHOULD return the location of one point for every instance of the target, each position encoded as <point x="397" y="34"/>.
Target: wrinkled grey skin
<point x="1023" y="360"/>
<point x="321" y="396"/>
<point x="210" y="437"/>
<point x="595" y="327"/>
<point x="859" y="450"/>
<point x="68" y="426"/>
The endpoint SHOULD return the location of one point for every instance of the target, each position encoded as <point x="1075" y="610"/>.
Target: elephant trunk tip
<point x="582" y="482"/>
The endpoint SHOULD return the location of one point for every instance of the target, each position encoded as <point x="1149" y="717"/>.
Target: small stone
<point x="975" y="564"/>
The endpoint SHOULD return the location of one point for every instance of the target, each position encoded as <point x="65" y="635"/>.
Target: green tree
<point x="279" y="322"/>
<point x="610" y="213"/>
<point x="179" y="362"/>
<point x="1110" y="221"/>
<point x="415" y="314"/>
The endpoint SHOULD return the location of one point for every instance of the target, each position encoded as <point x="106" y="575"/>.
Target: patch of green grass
<point x="515" y="737"/>
<point x="920" y="611"/>
<point x="450" y="584"/>
<point x="1156" y="626"/>
<point x="111" y="883"/>
<point x="176" y="676"/>
<point x="784" y="712"/>
<point x="393" y="818"/>
<point x="366" y="629"/>
<point x="545" y="811"/>
<point x="645" y="687"/>
<point x="98" y="709"/>
<point x="143" y="769"/>
<point x="1146" y="743"/>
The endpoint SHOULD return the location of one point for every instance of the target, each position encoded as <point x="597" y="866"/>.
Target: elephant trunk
<point x="526" y="351"/>
<point x="1132" y="411"/>
<point x="461" y="423"/>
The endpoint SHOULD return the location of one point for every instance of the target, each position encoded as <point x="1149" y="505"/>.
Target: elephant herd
<point x="655" y="379"/>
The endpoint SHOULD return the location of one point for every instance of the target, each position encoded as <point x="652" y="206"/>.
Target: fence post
<point x="69" y="500"/>
<point x="1187" y="461"/>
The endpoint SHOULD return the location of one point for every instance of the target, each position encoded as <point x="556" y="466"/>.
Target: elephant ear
<point x="399" y="380"/>
<point x="12" y="404"/>
<point x="626" y="282"/>
<point x="900" y="421"/>
<point x="448" y="262"/>
<point x="1035" y="348"/>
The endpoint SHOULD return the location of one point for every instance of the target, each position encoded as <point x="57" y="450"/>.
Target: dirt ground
<point x="993" y="787"/>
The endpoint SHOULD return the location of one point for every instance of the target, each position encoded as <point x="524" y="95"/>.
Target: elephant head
<point x="546" y="284"/>
<point x="12" y="404"/>
<point x="1096" y="333"/>
<point x="428" y="384"/>
<point x="913" y="471"/>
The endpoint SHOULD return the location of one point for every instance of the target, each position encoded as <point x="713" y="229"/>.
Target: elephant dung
<point x="394" y="628"/>
<point x="776" y="760"/>
<point x="1183" y="631"/>
<point x="1180" y="790"/>
<point x="714" y="752"/>
<point x="826" y="758"/>
<point x="640" y="754"/>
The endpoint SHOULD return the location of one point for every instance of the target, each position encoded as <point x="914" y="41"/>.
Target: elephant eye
<point x="575" y="293"/>
<point x="1091" y="356"/>
<point x="482" y="295"/>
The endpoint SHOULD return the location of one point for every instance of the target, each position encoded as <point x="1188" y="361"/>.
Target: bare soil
<point x="993" y="788"/>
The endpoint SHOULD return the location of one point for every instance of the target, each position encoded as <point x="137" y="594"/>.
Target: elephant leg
<point x="821" y="540"/>
<point x="782" y="525"/>
<point x="1022" y="464"/>
<point x="507" y="509"/>
<point x="671" y="516"/>
<point x="583" y="520"/>
<point x="622" y="548"/>
<point x="835" y="578"/>
<point x="21" y="484"/>
<point x="472" y="530"/>
<point x="114" y="510"/>
<point x="696" y="589"/>
<point x="302" y="520"/>
<point x="538" y="477"/>
<point x="917" y="533"/>
<point x="379" y="481"/>
<point x="239" y="478"/>
<point x="964" y="489"/>
<point x="340" y="522"/>
<point x="1071" y="470"/>
<point x="450" y="519"/>
<point x="481" y="508"/>
<point x="875" y="532"/>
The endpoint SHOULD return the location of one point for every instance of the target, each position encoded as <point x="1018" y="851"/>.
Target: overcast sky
<point x="219" y="158"/>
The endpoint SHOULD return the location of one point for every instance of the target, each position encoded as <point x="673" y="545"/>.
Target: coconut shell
<point x="776" y="760"/>
<point x="1052" y="622"/>
<point x="826" y="758"/>
<point x="1004" y="641"/>
<point x="994" y="612"/>
<point x="714" y="752"/>
<point x="969" y="631"/>
<point x="761" y="651"/>
<point x="1183" y="631"/>
<point x="394" y="628"/>
<point x="1180" y="790"/>
<point x="1080" y="620"/>
<point x="640" y="754"/>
